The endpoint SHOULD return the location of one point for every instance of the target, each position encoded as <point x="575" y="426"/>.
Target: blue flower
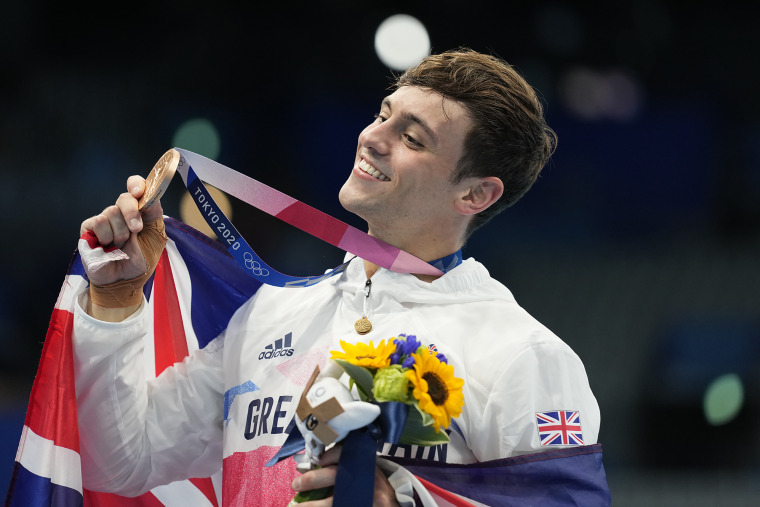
<point x="407" y="346"/>
<point x="408" y="362"/>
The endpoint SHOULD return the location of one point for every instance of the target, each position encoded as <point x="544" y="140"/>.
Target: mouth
<point x="365" y="166"/>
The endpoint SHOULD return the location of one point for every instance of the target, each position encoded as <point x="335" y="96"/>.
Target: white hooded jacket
<point x="232" y="402"/>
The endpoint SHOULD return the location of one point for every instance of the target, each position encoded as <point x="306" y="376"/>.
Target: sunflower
<point x="366" y="354"/>
<point x="437" y="390"/>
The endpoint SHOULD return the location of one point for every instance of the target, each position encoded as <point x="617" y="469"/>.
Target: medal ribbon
<point x="195" y="169"/>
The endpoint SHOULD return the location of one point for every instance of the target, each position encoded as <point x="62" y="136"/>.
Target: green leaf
<point x="362" y="376"/>
<point x="313" y="494"/>
<point x="419" y="429"/>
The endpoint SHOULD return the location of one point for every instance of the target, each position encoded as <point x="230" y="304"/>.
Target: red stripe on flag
<point x="314" y="222"/>
<point x="168" y="329"/>
<point x="95" y="499"/>
<point x="207" y="488"/>
<point x="169" y="338"/>
<point x="444" y="494"/>
<point x="52" y="412"/>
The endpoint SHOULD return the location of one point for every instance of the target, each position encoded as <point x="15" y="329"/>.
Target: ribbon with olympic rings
<point x="195" y="169"/>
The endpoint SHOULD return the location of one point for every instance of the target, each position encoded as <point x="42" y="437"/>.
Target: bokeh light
<point x="189" y="213"/>
<point x="723" y="399"/>
<point x="200" y="136"/>
<point x="401" y="41"/>
<point x="598" y="95"/>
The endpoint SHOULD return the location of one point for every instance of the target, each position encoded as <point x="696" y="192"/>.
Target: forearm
<point x="111" y="394"/>
<point x="137" y="432"/>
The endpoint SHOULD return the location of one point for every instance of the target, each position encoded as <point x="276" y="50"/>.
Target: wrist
<point x="106" y="313"/>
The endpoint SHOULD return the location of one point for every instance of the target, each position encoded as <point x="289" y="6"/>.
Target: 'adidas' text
<point x="280" y="347"/>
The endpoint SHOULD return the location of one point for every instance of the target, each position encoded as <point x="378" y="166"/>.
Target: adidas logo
<point x="280" y="347"/>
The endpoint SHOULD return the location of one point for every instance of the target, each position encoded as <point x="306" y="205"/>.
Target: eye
<point x="379" y="118"/>
<point x="411" y="140"/>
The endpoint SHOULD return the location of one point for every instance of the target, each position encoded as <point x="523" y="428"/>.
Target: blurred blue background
<point x="638" y="246"/>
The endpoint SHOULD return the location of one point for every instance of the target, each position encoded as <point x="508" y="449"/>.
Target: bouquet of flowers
<point x="402" y="371"/>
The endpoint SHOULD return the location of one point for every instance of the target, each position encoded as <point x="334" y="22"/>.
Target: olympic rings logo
<point x="254" y="265"/>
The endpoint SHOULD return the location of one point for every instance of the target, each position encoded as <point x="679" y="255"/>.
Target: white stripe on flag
<point x="181" y="493"/>
<point x="43" y="458"/>
<point x="440" y="502"/>
<point x="71" y="286"/>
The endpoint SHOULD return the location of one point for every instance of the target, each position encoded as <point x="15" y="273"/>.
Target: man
<point x="461" y="137"/>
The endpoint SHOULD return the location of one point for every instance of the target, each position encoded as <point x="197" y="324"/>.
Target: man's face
<point x="401" y="179"/>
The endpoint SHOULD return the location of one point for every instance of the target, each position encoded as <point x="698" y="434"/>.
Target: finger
<point x="136" y="186"/>
<point x="385" y="495"/>
<point x="100" y="226"/>
<point x="118" y="225"/>
<point x="87" y="225"/>
<point x="331" y="456"/>
<point x="127" y="205"/>
<point x="315" y="479"/>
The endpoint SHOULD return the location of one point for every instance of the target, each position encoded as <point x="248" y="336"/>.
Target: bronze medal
<point x="159" y="178"/>
<point x="363" y="326"/>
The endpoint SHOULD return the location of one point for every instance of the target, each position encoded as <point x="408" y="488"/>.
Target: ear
<point x="479" y="194"/>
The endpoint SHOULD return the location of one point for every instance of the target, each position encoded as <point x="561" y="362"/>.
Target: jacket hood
<point x="468" y="282"/>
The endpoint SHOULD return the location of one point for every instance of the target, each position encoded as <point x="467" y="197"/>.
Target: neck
<point x="370" y="269"/>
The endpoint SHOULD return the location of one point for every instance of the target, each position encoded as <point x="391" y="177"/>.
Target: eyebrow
<point x="415" y="119"/>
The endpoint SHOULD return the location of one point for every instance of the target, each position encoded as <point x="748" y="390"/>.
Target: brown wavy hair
<point x="509" y="138"/>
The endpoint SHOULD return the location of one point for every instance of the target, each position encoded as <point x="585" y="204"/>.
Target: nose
<point x="376" y="137"/>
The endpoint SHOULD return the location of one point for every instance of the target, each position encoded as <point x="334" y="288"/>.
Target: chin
<point x="352" y="204"/>
<point x="342" y="195"/>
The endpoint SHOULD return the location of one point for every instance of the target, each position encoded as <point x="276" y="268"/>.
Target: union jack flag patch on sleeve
<point x="561" y="427"/>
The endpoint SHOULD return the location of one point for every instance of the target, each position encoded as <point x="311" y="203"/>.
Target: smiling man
<point x="461" y="137"/>
<point x="402" y="181"/>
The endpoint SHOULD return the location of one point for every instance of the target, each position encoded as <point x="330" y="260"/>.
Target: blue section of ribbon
<point x="392" y="420"/>
<point x="355" y="482"/>
<point x="293" y="444"/>
<point x="449" y="262"/>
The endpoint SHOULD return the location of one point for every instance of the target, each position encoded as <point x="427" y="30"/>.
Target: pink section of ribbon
<point x="246" y="189"/>
<point x="408" y="263"/>
<point x="383" y="254"/>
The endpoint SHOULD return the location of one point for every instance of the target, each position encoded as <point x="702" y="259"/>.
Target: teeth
<point x="364" y="166"/>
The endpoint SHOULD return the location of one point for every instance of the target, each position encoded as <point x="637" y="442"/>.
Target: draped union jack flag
<point x="562" y="427"/>
<point x="195" y="290"/>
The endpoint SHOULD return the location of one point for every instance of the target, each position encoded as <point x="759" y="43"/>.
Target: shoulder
<point x="492" y="334"/>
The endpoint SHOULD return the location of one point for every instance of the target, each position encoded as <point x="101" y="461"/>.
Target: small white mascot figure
<point x="326" y="413"/>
